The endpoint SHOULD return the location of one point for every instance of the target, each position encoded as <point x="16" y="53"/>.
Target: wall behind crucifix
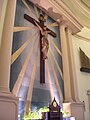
<point x="25" y="67"/>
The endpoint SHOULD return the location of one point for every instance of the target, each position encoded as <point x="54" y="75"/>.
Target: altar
<point x="55" y="113"/>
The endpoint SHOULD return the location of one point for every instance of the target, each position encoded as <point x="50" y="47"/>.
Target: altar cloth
<point x="69" y="118"/>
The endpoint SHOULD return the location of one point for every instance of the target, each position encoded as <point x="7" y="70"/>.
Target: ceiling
<point x="81" y="9"/>
<point x="86" y="2"/>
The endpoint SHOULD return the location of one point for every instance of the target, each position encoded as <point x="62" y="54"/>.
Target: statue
<point x="45" y="43"/>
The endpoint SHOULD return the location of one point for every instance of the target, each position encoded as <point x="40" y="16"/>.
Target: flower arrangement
<point x="64" y="113"/>
<point x="36" y="114"/>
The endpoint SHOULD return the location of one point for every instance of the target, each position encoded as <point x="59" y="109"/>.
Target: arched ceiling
<point x="78" y="8"/>
<point x="60" y="13"/>
<point x="86" y="2"/>
<point x="81" y="9"/>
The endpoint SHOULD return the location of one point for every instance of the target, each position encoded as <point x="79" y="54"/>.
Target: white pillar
<point x="70" y="82"/>
<point x="88" y="93"/>
<point x="3" y="5"/>
<point x="8" y="102"/>
<point x="65" y="60"/>
<point x="71" y="103"/>
<point x="73" y="79"/>
<point x="6" y="46"/>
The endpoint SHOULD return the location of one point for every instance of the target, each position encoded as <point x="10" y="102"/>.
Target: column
<point x="6" y="46"/>
<point x="73" y="80"/>
<point x="8" y="102"/>
<point x="3" y="5"/>
<point x="71" y="103"/>
<point x="65" y="59"/>
<point x="88" y="93"/>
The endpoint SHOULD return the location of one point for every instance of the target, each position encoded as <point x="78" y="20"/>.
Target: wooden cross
<point x="41" y="24"/>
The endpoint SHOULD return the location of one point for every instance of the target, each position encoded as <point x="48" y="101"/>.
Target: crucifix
<point x="44" y="45"/>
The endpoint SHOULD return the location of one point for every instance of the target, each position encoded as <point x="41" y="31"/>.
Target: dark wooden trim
<point x="84" y="69"/>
